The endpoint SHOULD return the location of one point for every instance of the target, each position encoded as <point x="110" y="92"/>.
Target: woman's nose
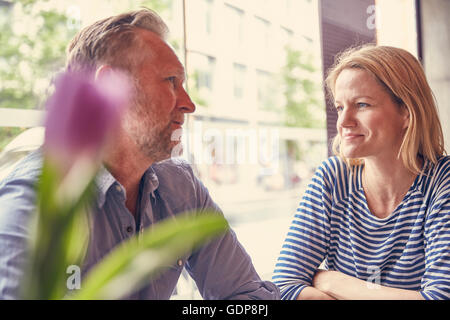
<point x="346" y="118"/>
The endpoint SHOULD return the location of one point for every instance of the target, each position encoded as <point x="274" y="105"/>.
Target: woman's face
<point x="370" y="124"/>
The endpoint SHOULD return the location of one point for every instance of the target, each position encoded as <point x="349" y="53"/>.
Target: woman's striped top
<point x="410" y="249"/>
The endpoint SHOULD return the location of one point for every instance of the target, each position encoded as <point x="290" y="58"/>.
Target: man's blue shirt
<point x="221" y="269"/>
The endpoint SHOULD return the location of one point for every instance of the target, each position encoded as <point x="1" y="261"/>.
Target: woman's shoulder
<point x="439" y="169"/>
<point x="334" y="169"/>
<point x="442" y="168"/>
<point x="444" y="160"/>
<point x="336" y="177"/>
<point x="334" y="166"/>
<point x="436" y="176"/>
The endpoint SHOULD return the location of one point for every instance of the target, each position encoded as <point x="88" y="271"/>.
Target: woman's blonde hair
<point x="402" y="75"/>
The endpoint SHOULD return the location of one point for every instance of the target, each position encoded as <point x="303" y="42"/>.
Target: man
<point x="136" y="188"/>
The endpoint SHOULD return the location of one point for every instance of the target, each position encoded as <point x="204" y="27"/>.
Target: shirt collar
<point x="151" y="181"/>
<point x="417" y="183"/>
<point x="105" y="180"/>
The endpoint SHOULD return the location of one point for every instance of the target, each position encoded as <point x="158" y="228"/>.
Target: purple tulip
<point x="82" y="115"/>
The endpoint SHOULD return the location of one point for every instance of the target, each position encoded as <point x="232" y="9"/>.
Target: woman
<point x="377" y="215"/>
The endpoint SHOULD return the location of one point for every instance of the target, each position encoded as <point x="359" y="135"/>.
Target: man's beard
<point x="158" y="142"/>
<point x="154" y="141"/>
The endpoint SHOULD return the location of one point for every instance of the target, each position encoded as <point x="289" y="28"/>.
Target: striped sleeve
<point x="436" y="280"/>
<point x="306" y="243"/>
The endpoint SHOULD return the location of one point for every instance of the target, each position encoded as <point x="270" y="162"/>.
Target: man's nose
<point x="184" y="102"/>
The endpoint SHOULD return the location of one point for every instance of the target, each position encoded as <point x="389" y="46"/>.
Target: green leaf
<point x="57" y="237"/>
<point x="129" y="267"/>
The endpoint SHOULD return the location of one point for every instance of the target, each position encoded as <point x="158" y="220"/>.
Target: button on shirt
<point x="221" y="269"/>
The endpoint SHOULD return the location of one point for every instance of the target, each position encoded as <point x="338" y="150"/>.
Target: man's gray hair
<point x="114" y="41"/>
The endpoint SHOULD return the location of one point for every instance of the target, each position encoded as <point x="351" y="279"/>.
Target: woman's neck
<point x="385" y="185"/>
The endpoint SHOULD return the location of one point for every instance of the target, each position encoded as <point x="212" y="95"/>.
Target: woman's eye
<point x="339" y="108"/>
<point x="362" y="104"/>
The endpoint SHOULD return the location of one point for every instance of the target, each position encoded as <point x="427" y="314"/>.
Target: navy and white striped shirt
<point x="410" y="249"/>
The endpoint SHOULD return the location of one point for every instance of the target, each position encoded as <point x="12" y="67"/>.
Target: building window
<point x="234" y="18"/>
<point x="262" y="27"/>
<point x="208" y="8"/>
<point x="202" y="71"/>
<point x="206" y="73"/>
<point x="286" y="36"/>
<point x="265" y="90"/>
<point x="239" y="76"/>
<point x="200" y="18"/>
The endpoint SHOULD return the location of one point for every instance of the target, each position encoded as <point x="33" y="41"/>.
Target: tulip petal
<point x="82" y="113"/>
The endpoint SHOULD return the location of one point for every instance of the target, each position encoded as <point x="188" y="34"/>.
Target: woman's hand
<point x="323" y="280"/>
<point x="342" y="286"/>
<point x="311" y="293"/>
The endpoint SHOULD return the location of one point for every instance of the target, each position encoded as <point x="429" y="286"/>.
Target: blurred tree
<point x="157" y="5"/>
<point x="301" y="97"/>
<point x="300" y="91"/>
<point x="32" y="44"/>
<point x="31" y="50"/>
<point x="33" y="39"/>
<point x="194" y="90"/>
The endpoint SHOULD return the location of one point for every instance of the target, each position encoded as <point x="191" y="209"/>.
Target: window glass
<point x="239" y="71"/>
<point x="257" y="141"/>
<point x="235" y="18"/>
<point x="254" y="71"/>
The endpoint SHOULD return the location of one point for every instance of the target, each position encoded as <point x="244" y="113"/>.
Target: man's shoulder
<point x="174" y="174"/>
<point x="17" y="193"/>
<point x="172" y="166"/>
<point x="27" y="169"/>
<point x="179" y="187"/>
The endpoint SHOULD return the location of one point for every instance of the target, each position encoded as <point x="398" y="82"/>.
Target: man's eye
<point x="363" y="104"/>
<point x="339" y="108"/>
<point x="172" y="80"/>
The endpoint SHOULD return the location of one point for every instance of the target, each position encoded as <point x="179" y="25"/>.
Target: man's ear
<point x="102" y="71"/>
